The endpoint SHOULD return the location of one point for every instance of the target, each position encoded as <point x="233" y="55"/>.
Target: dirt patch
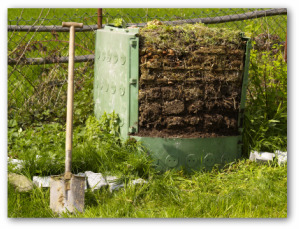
<point x="190" y="81"/>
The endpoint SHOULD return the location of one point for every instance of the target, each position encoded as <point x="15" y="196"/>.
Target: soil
<point x="189" y="87"/>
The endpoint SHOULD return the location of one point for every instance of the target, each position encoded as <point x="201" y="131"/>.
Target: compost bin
<point x="180" y="90"/>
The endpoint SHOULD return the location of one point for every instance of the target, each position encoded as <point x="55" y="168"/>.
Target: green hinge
<point x="133" y="85"/>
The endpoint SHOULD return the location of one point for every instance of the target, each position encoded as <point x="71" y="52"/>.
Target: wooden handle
<point x="70" y="97"/>
<point x="70" y="24"/>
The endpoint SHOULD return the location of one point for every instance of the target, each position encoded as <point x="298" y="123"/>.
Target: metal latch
<point x="133" y="81"/>
<point x="133" y="43"/>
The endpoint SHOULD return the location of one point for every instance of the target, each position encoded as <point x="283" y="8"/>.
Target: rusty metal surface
<point x="62" y="200"/>
<point x="100" y="18"/>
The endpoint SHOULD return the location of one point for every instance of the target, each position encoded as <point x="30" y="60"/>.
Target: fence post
<point x="99" y="18"/>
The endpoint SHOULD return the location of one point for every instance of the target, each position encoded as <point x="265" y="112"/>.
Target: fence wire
<point x="38" y="51"/>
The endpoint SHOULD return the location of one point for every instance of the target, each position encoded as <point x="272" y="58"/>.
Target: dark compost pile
<point x="190" y="81"/>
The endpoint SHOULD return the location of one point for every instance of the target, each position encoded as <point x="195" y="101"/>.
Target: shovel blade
<point x="67" y="196"/>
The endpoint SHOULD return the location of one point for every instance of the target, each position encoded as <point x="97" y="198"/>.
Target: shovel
<point x="67" y="190"/>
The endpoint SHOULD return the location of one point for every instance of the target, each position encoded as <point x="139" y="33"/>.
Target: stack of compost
<point x="190" y="81"/>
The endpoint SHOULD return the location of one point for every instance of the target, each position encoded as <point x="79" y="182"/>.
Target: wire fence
<point x="38" y="51"/>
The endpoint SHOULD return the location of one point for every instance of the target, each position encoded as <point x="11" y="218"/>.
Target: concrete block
<point x="261" y="156"/>
<point x="282" y="157"/>
<point x="113" y="184"/>
<point x="95" y="180"/>
<point x="41" y="182"/>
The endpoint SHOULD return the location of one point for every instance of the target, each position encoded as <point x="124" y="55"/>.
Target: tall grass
<point x="266" y="108"/>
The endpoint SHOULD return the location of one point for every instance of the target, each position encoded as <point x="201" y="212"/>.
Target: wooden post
<point x="99" y="18"/>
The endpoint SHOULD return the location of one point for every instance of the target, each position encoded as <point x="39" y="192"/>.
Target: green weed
<point x="96" y="147"/>
<point x="266" y="108"/>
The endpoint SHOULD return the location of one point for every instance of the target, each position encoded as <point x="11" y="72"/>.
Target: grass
<point x="241" y="189"/>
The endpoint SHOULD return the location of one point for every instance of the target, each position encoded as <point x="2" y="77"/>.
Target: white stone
<point x="282" y="157"/>
<point x="113" y="184"/>
<point x="253" y="155"/>
<point x="20" y="182"/>
<point x="95" y="180"/>
<point x="261" y="156"/>
<point x="41" y="182"/>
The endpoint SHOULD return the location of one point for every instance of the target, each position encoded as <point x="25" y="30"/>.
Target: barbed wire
<point x="37" y="70"/>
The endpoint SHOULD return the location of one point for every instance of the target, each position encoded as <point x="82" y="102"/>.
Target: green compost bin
<point x="116" y="85"/>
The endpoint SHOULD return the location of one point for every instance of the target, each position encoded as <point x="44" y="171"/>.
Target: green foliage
<point x="110" y="123"/>
<point x="119" y="22"/>
<point x="96" y="147"/>
<point x="266" y="109"/>
<point x="32" y="204"/>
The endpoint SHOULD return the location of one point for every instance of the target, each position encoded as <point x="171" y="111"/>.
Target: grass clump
<point x="42" y="148"/>
<point x="266" y="105"/>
